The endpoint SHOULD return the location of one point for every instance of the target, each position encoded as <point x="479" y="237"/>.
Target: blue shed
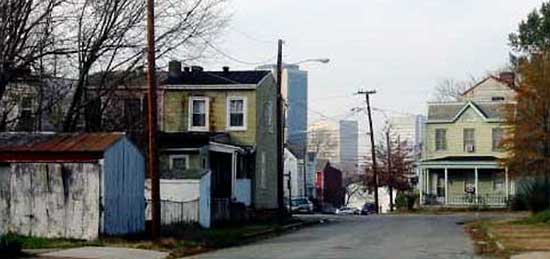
<point x="71" y="185"/>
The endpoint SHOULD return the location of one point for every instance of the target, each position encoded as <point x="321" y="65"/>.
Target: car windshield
<point x="299" y="202"/>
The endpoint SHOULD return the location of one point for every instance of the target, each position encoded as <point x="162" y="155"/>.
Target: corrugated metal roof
<point x="65" y="142"/>
<point x="55" y="147"/>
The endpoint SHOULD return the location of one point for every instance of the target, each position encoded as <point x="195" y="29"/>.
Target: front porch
<point x="451" y="183"/>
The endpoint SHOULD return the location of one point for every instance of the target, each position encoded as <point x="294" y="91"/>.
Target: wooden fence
<point x="173" y="212"/>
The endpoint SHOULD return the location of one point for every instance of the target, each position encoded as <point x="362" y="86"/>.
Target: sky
<point x="401" y="48"/>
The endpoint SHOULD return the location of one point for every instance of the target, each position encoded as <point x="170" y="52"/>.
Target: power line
<point x="212" y="46"/>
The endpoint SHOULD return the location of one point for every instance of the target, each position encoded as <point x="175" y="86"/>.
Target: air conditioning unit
<point x="470" y="148"/>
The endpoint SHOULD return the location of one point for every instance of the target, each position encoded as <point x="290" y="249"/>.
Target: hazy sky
<point x="401" y="48"/>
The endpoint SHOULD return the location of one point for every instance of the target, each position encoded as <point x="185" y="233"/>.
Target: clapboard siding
<point x="124" y="179"/>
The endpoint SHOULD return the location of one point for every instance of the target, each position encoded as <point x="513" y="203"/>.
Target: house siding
<point x="455" y="137"/>
<point x="489" y="89"/>
<point x="265" y="197"/>
<point x="176" y="112"/>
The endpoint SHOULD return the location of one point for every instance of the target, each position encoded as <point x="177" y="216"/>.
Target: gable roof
<point x="36" y="147"/>
<point x="511" y="86"/>
<point x="250" y="77"/>
<point x="450" y="112"/>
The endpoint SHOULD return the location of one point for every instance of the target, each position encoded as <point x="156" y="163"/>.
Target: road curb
<point x="284" y="228"/>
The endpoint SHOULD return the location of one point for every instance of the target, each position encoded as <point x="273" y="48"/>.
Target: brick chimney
<point x="174" y="68"/>
<point x="225" y="69"/>
<point x="508" y="77"/>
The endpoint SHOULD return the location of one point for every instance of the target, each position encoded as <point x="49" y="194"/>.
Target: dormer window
<point x="198" y="113"/>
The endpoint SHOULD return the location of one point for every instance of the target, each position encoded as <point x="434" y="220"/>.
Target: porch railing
<point x="490" y="200"/>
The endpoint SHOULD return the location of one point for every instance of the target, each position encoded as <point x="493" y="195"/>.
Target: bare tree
<point x="108" y="37"/>
<point x="27" y="39"/>
<point x="449" y="90"/>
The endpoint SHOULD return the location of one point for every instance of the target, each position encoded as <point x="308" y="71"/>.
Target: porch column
<point x="446" y="186"/>
<point x="476" y="181"/>
<point x="506" y="182"/>
<point x="420" y="171"/>
<point x="428" y="181"/>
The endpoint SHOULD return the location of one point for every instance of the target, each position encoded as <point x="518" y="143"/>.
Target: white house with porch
<point x="461" y="165"/>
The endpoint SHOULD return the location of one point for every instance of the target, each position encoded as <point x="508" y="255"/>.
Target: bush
<point x="534" y="195"/>
<point x="405" y="200"/>
<point x="401" y="201"/>
<point x="541" y="217"/>
<point x="10" y="244"/>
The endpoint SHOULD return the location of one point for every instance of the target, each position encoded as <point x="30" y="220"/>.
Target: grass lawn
<point x="179" y="240"/>
<point x="506" y="238"/>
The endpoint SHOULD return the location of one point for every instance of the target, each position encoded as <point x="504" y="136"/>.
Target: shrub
<point x="534" y="195"/>
<point x="405" y="200"/>
<point x="541" y="217"/>
<point x="401" y="201"/>
<point x="10" y="244"/>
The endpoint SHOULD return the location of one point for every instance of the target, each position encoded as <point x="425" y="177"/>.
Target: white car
<point x="347" y="211"/>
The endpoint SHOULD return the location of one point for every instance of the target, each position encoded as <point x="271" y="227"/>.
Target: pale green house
<point x="462" y="148"/>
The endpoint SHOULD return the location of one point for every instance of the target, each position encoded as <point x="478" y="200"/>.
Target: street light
<point x="319" y="60"/>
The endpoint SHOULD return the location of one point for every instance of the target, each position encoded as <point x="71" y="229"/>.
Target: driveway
<point x="407" y="236"/>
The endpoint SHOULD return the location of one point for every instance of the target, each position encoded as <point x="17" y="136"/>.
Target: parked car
<point x="328" y="210"/>
<point x="301" y="205"/>
<point x="368" y="208"/>
<point x="347" y="211"/>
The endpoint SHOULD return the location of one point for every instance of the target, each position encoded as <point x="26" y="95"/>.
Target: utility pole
<point x="390" y="173"/>
<point x="280" y="140"/>
<point x="373" y="148"/>
<point x="152" y="157"/>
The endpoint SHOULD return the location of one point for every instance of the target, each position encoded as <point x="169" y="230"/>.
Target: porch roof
<point x="464" y="162"/>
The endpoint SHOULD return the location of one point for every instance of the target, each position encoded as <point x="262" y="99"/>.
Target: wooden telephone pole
<point x="373" y="148"/>
<point x="152" y="157"/>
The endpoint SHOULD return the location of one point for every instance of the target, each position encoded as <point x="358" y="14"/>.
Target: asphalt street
<point x="407" y="236"/>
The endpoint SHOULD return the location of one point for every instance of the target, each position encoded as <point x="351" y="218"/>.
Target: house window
<point x="236" y="113"/>
<point x="198" y="113"/>
<point x="469" y="140"/>
<point x="498" y="134"/>
<point x="25" y="116"/>
<point x="440" y="139"/>
<point x="497" y="98"/>
<point x="179" y="162"/>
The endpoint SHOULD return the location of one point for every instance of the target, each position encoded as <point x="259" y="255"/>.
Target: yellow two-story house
<point x="461" y="165"/>
<point x="223" y="122"/>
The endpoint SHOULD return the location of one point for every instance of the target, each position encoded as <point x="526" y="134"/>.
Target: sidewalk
<point x="105" y="253"/>
<point x="533" y="255"/>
